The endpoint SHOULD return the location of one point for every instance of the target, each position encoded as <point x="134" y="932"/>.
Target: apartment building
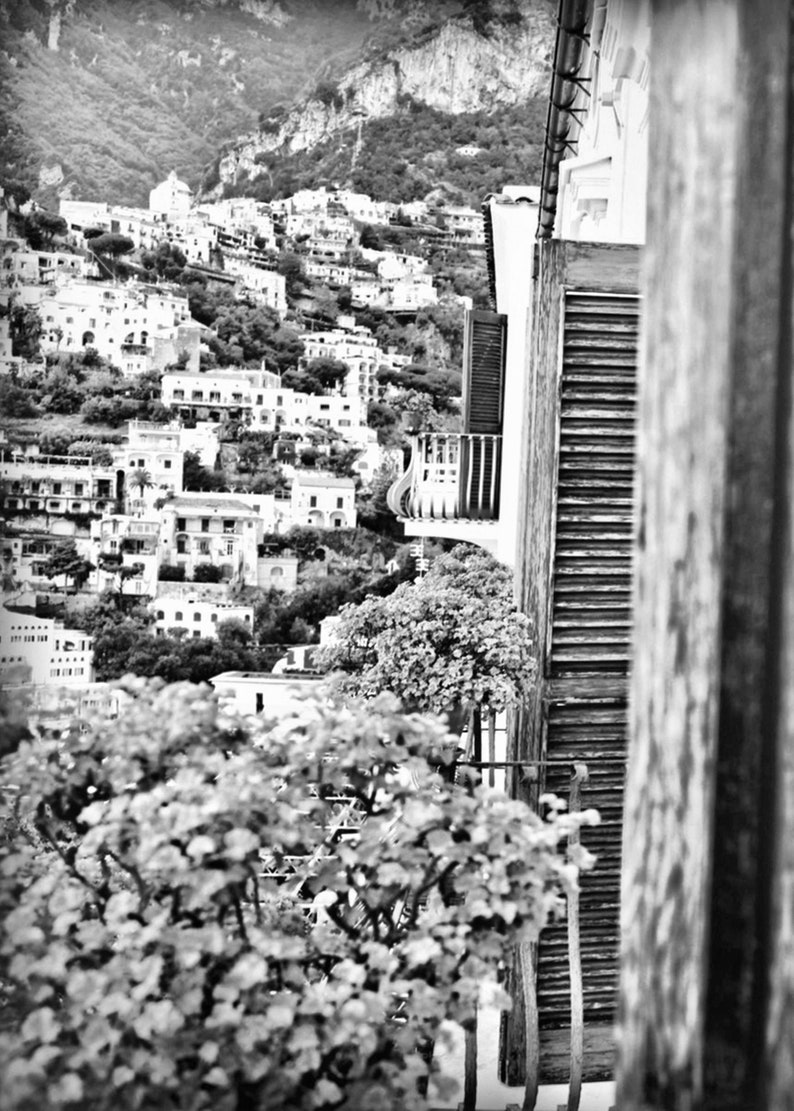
<point x="323" y="501"/>
<point x="190" y="609"/>
<point x="40" y="650"/>
<point x="152" y="461"/>
<point x="42" y="488"/>
<point x="125" y="553"/>
<point x="215" y="529"/>
<point x="358" y="348"/>
<point x="136" y="327"/>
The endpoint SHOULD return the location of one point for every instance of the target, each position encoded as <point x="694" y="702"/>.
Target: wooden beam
<point x="697" y="879"/>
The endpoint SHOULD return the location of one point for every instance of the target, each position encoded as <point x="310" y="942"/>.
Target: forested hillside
<point x="103" y="98"/>
<point x="458" y="159"/>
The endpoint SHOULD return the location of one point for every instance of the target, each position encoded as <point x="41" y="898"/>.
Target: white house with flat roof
<point x="322" y="500"/>
<point x="196" y="613"/>
<point x="260" y="692"/>
<point x="40" y="650"/>
<point x="214" y="529"/>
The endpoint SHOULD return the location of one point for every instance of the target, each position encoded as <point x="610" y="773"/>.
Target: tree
<point x="65" y="560"/>
<point x="26" y="328"/>
<point x="140" y="480"/>
<point x="42" y="228"/>
<point x="195" y="476"/>
<point x="329" y="373"/>
<point x="112" y="244"/>
<point x="146" y="960"/>
<point x="16" y="401"/>
<point x="291" y="266"/>
<point x="167" y="260"/>
<point x="452" y="640"/>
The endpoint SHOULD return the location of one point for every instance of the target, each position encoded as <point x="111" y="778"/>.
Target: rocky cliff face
<point x="457" y="70"/>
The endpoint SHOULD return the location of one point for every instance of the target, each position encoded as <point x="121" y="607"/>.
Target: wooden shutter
<point x="484" y="340"/>
<point x="574" y="567"/>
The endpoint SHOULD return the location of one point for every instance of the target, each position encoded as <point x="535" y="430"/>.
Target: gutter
<point x="569" y="49"/>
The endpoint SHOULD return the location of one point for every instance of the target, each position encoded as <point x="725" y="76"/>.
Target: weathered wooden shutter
<point x="576" y="586"/>
<point x="484" y="338"/>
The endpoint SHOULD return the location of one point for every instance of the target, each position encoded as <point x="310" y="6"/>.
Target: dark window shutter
<point x="484" y="339"/>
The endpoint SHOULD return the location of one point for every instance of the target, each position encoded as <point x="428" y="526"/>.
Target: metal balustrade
<point x="451" y="476"/>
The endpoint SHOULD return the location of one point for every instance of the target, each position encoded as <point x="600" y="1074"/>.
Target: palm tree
<point x="141" y="480"/>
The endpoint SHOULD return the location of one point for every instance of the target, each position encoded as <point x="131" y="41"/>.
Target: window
<point x="197" y="395"/>
<point x="181" y="545"/>
<point x="228" y="525"/>
<point x="160" y="615"/>
<point x="78" y="489"/>
<point x="167" y="464"/>
<point x="57" y="487"/>
<point x="205" y="524"/>
<point x="178" y="615"/>
<point x="141" y="462"/>
<point x="215" y="395"/>
<point x="214" y="618"/>
<point x="179" y="395"/>
<point x="196" y="634"/>
<point x="180" y="524"/>
<point x="229" y="547"/>
<point x="340" y="503"/>
<point x="313" y="501"/>
<point x="204" y="547"/>
<point x="197" y="617"/>
<point x="260" y="702"/>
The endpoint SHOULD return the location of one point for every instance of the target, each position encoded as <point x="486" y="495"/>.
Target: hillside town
<point x="397" y="627"/>
<point x="121" y="517"/>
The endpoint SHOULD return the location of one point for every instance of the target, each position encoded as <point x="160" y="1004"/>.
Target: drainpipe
<point x="569" y="51"/>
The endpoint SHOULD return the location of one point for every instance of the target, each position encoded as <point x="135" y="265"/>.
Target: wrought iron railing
<point x="451" y="476"/>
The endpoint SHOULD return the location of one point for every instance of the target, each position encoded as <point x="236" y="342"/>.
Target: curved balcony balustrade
<point x="451" y="476"/>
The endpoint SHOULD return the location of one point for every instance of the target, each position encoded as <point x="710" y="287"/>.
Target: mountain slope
<point x="100" y="99"/>
<point x="453" y="104"/>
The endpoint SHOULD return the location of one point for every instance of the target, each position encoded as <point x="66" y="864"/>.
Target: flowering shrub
<point x="203" y="911"/>
<point x="454" y="638"/>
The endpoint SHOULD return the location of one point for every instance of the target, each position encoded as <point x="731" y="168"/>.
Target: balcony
<point x="451" y="477"/>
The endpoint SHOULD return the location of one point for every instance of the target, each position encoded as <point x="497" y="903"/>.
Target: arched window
<point x="88" y="338"/>
<point x="160" y="615"/>
<point x="178" y="615"/>
<point x="197" y="617"/>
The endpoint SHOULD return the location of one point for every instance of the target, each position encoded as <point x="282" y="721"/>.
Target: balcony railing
<point x="451" y="476"/>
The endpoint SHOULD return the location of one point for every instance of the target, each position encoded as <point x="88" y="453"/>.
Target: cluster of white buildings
<point x="187" y="555"/>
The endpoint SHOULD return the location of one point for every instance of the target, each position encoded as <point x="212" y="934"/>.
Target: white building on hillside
<point x="152" y="461"/>
<point x="323" y="501"/>
<point x="135" y="327"/>
<point x="124" y="551"/>
<point x="40" y="650"/>
<point x="258" y="692"/>
<point x="214" y="529"/>
<point x="171" y="199"/>
<point x="358" y="348"/>
<point x="196" y="613"/>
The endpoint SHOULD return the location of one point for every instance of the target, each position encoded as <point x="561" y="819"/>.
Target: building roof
<point x="208" y="501"/>
<point x="306" y="478"/>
